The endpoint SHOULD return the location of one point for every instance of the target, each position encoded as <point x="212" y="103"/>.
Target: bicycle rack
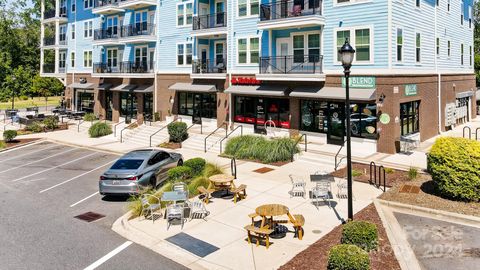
<point x="380" y="170"/>
<point x="377" y="182"/>
<point x="233" y="167"/>
<point x="372" y="164"/>
<point x="469" y="132"/>
<point x="476" y="133"/>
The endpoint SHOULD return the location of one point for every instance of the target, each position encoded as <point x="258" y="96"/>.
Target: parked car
<point x="137" y="169"/>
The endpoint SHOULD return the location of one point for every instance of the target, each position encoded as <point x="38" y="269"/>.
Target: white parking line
<point x="46" y="170"/>
<point x="84" y="199"/>
<point x="73" y="178"/>
<point x="20" y="147"/>
<point x="108" y="256"/>
<point x="26" y="154"/>
<point x="23" y="165"/>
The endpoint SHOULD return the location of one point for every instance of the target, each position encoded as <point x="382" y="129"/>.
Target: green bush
<point x="2" y="145"/>
<point x="9" y="135"/>
<point x="389" y="170"/>
<point x="180" y="173"/>
<point x="99" y="129"/>
<point x="361" y="233"/>
<point x="90" y="117"/>
<point x="356" y="173"/>
<point x="412" y="173"/>
<point x="348" y="257"/>
<point x="196" y="164"/>
<point x="23" y="97"/>
<point x="454" y="164"/>
<point x="35" y="127"/>
<point x="177" y="132"/>
<point x="254" y="147"/>
<point x="50" y="122"/>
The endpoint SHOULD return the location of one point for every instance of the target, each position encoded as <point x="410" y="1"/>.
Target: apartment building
<point x="266" y="63"/>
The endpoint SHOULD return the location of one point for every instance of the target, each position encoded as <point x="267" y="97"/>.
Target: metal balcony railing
<point x="48" y="41"/>
<point x="291" y="64"/>
<point x="216" y="65"/>
<point x="138" y="29"/>
<point x="105" y="3"/>
<point x="290" y="9"/>
<point x="63" y="12"/>
<point x="62" y="39"/>
<point x="49" y="14"/>
<point x="124" y="67"/>
<point x="208" y="21"/>
<point x="109" y="33"/>
<point x="48" y="68"/>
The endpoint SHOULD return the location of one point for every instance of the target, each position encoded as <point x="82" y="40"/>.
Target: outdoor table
<point x="174" y="196"/>
<point x="321" y="177"/>
<point x="221" y="182"/>
<point x="267" y="212"/>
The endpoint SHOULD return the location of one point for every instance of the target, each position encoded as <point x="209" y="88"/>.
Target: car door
<point x="165" y="162"/>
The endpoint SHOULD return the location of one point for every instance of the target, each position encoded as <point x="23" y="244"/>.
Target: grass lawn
<point x="36" y="101"/>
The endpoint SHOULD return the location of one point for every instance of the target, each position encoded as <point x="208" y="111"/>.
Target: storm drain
<point x="410" y="189"/>
<point x="89" y="216"/>
<point x="192" y="244"/>
<point x="263" y="170"/>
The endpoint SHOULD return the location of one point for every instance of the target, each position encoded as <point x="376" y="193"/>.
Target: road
<point x="43" y="187"/>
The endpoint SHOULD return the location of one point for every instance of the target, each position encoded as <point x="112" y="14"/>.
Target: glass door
<point x="112" y="59"/>
<point x="141" y="19"/>
<point x="219" y="53"/>
<point x="128" y="106"/>
<point x="140" y="59"/>
<point x="336" y="124"/>
<point x="220" y="11"/>
<point x="109" y="105"/>
<point x="197" y="108"/>
<point x="112" y="27"/>
<point x="148" y="106"/>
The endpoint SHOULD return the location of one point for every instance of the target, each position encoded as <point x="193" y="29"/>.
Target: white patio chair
<point x="198" y="209"/>
<point x="174" y="212"/>
<point x="180" y="186"/>
<point x="298" y="186"/>
<point x="150" y="204"/>
<point x="342" y="189"/>
<point x="321" y="191"/>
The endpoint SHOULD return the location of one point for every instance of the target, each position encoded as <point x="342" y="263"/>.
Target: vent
<point x="263" y="170"/>
<point x="90" y="216"/>
<point x="410" y="189"/>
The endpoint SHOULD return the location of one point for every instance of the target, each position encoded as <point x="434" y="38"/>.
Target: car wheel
<point x="180" y="162"/>
<point x="153" y="182"/>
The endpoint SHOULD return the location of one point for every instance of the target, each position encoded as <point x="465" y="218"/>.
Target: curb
<point x="22" y="145"/>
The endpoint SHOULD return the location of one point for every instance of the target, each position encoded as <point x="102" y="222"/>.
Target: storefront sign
<point x="245" y="81"/>
<point x="360" y="82"/>
<point x="384" y="118"/>
<point x="410" y="89"/>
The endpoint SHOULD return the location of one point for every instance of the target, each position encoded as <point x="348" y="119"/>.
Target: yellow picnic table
<point x="221" y="182"/>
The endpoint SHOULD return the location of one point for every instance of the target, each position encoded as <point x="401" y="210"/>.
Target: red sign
<point x="245" y="81"/>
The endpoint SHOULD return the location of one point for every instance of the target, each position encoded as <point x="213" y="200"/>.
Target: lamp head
<point x="346" y="53"/>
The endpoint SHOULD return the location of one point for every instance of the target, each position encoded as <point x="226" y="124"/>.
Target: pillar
<point x="140" y="109"/>
<point x="116" y="106"/>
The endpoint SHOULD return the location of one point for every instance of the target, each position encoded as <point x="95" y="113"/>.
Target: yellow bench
<point x="259" y="234"/>
<point x="298" y="223"/>
<point x="239" y="193"/>
<point x="206" y="193"/>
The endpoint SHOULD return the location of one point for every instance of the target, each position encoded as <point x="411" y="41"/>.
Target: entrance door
<point x="282" y="52"/>
<point x="112" y="60"/>
<point x="141" y="19"/>
<point x="197" y="108"/>
<point x="151" y="59"/>
<point x="336" y="124"/>
<point x="219" y="54"/>
<point x="109" y="106"/>
<point x="140" y="64"/>
<point x="128" y="106"/>
<point x="112" y="27"/>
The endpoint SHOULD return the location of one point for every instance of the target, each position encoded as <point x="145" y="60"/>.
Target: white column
<point x="42" y="9"/>
<point x="57" y="8"/>
<point x="57" y="60"/>
<point x="57" y="33"/>
<point x="41" y="60"/>
<point x="42" y="35"/>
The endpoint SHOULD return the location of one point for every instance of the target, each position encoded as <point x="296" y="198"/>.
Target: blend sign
<point x="360" y="82"/>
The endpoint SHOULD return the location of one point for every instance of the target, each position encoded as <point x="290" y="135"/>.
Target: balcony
<point x="48" y="68"/>
<point x="49" y="15"/>
<point x="291" y="68"/>
<point x="137" y="69"/>
<point x="135" y="4"/>
<point x="291" y="14"/>
<point x="209" y="68"/>
<point x="210" y="24"/>
<point x="49" y="41"/>
<point x="107" y="36"/>
<point x="138" y="32"/>
<point x="106" y="7"/>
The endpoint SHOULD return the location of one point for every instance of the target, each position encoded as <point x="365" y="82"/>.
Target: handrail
<point x="241" y="134"/>
<point x="469" y="132"/>
<point x="115" y="128"/>
<point x="374" y="166"/>
<point x="121" y="131"/>
<point x="80" y="121"/>
<point x="205" y="141"/>
<point x="476" y="133"/>
<point x="336" y="156"/>
<point x="380" y="169"/>
<point x="162" y="128"/>
<point x="196" y="123"/>
<point x="298" y="141"/>
<point x="233" y="167"/>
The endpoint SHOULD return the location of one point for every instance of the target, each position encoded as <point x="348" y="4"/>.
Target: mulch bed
<point x="18" y="142"/>
<point x="392" y="178"/>
<point x="278" y="163"/>
<point x="171" y="145"/>
<point x="316" y="256"/>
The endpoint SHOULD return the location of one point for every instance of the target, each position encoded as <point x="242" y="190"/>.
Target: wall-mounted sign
<point x="360" y="82"/>
<point x="245" y="81"/>
<point x="411" y="90"/>
<point x="384" y="118"/>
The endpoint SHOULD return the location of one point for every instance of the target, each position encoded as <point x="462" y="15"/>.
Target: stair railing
<point x="162" y="128"/>
<point x="213" y="132"/>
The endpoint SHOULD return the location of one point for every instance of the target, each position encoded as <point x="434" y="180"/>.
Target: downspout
<point x="439" y="77"/>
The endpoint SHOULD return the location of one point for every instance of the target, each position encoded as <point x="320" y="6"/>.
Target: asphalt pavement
<point x="43" y="186"/>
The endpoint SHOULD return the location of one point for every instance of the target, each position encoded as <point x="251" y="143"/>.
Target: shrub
<point x="259" y="148"/>
<point x="99" y="129"/>
<point x="454" y="164"/>
<point x="356" y="173"/>
<point x="23" y="97"/>
<point x="348" y="257"/>
<point x="180" y="173"/>
<point x="177" y="131"/>
<point x="389" y="170"/>
<point x="90" y="117"/>
<point x="50" y="122"/>
<point x="412" y="173"/>
<point x="156" y="117"/>
<point x="212" y="169"/>
<point x="2" y="144"/>
<point x="196" y="164"/>
<point x="361" y="233"/>
<point x="34" y="127"/>
<point x="9" y="135"/>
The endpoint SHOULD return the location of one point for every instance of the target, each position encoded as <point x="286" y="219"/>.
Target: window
<point x="298" y="49"/>
<point x="438" y="3"/>
<point x="470" y="15"/>
<point x="72" y="59"/>
<point x="112" y="58"/>
<point x="362" y="42"/>
<point x="73" y="6"/>
<point x="399" y="44"/>
<point x="248" y="8"/>
<point x="448" y="5"/>
<point x="73" y="31"/>
<point x="197" y="104"/>
<point x="258" y="111"/>
<point x="184" y="54"/>
<point x="62" y="60"/>
<point x="417" y="3"/>
<point x="248" y="50"/>
<point x="461" y="13"/>
<point x="87" y="4"/>
<point x="448" y="48"/>
<point x="313" y="48"/>
<point x="184" y="13"/>
<point x="88" y="29"/>
<point x="471" y="56"/>
<point x="341" y="37"/>
<point x="461" y="54"/>
<point x="438" y="46"/>
<point x="87" y="59"/>
<point x="409" y="117"/>
<point x="417" y="45"/>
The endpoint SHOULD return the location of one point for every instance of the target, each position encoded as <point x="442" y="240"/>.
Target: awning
<point x="81" y="85"/>
<point x="334" y="93"/>
<point x="144" y="89"/>
<point x="104" y="86"/>
<point x="193" y="87"/>
<point x="255" y="90"/>
<point x="124" y="87"/>
<point x="464" y="94"/>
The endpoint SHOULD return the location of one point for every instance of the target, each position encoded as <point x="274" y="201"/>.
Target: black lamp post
<point x="13" y="91"/>
<point x="347" y="52"/>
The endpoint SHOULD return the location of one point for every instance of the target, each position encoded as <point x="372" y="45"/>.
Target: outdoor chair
<point x="180" y="186"/>
<point x="298" y="186"/>
<point x="198" y="209"/>
<point x="150" y="204"/>
<point x="321" y="191"/>
<point x="239" y="193"/>
<point x="342" y="192"/>
<point x="174" y="212"/>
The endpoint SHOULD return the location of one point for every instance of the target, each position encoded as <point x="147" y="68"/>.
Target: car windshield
<point x="127" y="164"/>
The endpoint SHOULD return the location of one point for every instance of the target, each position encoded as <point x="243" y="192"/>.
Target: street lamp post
<point x="347" y="52"/>
<point x="13" y="92"/>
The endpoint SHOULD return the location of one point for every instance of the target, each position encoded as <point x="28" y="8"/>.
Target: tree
<point x="46" y="87"/>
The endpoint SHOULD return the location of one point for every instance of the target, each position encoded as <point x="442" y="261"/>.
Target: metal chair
<point x="321" y="191"/>
<point x="342" y="189"/>
<point x="298" y="186"/>
<point x="198" y="209"/>
<point x="150" y="204"/>
<point x="174" y="212"/>
<point x="180" y="186"/>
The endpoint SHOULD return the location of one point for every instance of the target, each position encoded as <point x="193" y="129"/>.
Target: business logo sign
<point x="411" y="90"/>
<point x="360" y="82"/>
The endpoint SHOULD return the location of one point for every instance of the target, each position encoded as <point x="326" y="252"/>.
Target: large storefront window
<point x="148" y="106"/>
<point x="363" y="120"/>
<point x="409" y="117"/>
<point x="258" y="110"/>
<point x="85" y="101"/>
<point x="197" y="104"/>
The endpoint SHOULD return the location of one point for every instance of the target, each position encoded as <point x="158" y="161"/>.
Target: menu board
<point x="321" y="119"/>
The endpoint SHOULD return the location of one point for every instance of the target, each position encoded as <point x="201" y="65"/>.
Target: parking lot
<point x="43" y="187"/>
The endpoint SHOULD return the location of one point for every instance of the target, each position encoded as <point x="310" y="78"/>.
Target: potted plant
<point x="169" y="118"/>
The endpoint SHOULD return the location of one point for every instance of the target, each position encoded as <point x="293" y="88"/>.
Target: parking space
<point x="44" y="186"/>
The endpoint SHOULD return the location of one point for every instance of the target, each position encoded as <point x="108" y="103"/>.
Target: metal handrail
<point x="233" y="167"/>
<point x="380" y="169"/>
<point x="374" y="171"/>
<point x="80" y="121"/>
<point x="162" y="128"/>
<point x="121" y="131"/>
<point x="213" y="132"/>
<point x="241" y="134"/>
<point x="336" y="156"/>
<point x="297" y="142"/>
<point x="469" y="132"/>
<point x="476" y="133"/>
<point x="115" y="128"/>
